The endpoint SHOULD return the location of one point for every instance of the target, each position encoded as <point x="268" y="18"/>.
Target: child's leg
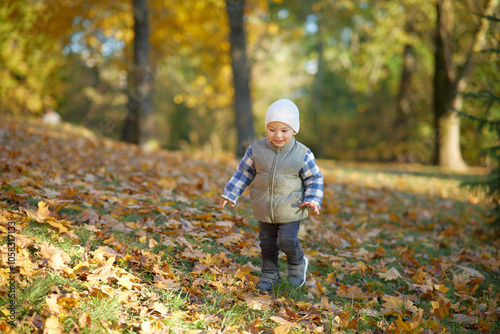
<point x="288" y="242"/>
<point x="268" y="235"/>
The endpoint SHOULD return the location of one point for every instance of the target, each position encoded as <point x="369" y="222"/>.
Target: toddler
<point x="285" y="182"/>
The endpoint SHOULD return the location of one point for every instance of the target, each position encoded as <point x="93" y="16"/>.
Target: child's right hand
<point x="223" y="202"/>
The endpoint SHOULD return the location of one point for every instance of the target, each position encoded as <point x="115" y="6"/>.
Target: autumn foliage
<point x="111" y="239"/>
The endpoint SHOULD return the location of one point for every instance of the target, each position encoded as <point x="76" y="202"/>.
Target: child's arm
<point x="313" y="183"/>
<point x="223" y="202"/>
<point x="245" y="173"/>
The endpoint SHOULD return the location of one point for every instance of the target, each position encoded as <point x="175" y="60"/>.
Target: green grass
<point x="104" y="314"/>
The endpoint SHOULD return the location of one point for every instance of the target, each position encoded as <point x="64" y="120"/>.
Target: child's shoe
<point x="297" y="273"/>
<point x="267" y="281"/>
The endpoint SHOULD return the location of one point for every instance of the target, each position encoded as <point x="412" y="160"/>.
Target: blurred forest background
<point x="374" y="80"/>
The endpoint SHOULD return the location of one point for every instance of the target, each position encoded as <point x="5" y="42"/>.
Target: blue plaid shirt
<point x="245" y="172"/>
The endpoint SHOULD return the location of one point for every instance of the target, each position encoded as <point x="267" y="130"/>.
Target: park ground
<point x="100" y="237"/>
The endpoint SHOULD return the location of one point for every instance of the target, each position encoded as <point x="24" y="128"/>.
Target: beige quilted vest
<point x="277" y="189"/>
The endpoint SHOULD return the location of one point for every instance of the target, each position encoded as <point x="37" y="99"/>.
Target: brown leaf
<point x="465" y="319"/>
<point x="254" y="326"/>
<point x="353" y="292"/>
<point x="90" y="216"/>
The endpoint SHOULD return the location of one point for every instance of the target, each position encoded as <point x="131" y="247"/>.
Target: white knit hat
<point x="284" y="111"/>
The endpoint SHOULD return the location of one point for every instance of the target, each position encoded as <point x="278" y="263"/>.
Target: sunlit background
<point x="341" y="62"/>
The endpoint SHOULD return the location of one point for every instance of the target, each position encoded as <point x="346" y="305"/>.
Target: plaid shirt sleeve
<point x="313" y="180"/>
<point x="245" y="173"/>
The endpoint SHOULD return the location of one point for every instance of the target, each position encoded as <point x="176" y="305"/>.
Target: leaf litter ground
<point x="114" y="240"/>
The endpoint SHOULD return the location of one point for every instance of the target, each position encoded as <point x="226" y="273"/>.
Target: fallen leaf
<point x="391" y="274"/>
<point x="56" y="257"/>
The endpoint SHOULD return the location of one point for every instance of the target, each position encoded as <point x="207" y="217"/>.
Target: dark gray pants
<point x="274" y="237"/>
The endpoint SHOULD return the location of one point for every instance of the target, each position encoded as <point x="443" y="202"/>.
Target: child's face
<point x="279" y="133"/>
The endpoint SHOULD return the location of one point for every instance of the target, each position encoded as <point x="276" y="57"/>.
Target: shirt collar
<point x="288" y="146"/>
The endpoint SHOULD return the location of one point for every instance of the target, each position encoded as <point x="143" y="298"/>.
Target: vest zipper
<point x="271" y="184"/>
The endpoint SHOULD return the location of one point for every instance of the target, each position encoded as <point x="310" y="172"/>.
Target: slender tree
<point x="449" y="80"/>
<point x="140" y="123"/>
<point x="318" y="91"/>
<point x="241" y="75"/>
<point x="403" y="99"/>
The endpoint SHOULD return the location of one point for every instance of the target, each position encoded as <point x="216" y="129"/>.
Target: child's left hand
<point x="310" y="205"/>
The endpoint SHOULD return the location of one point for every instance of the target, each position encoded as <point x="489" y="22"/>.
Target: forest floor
<point x="100" y="237"/>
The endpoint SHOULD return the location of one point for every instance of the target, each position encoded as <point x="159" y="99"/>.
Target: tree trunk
<point x="140" y="123"/>
<point x="449" y="82"/>
<point x="403" y="99"/>
<point x="317" y="95"/>
<point x="130" y="132"/>
<point x="241" y="76"/>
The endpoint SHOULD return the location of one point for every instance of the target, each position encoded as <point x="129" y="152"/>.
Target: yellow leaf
<point x="101" y="291"/>
<point x="152" y="243"/>
<point x="53" y="326"/>
<point x="69" y="301"/>
<point x="159" y="307"/>
<point x="52" y="304"/>
<point x="261" y="303"/>
<point x="282" y="329"/>
<point x="56" y="257"/>
<point x="280" y="320"/>
<point x="403" y="325"/>
<point x="125" y="282"/>
<point x="84" y="320"/>
<point x="43" y="210"/>
<point x="52" y="222"/>
<point x="441" y="288"/>
<point x="195" y="254"/>
<point x="102" y="272"/>
<point x="167" y="284"/>
<point x="397" y="306"/>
